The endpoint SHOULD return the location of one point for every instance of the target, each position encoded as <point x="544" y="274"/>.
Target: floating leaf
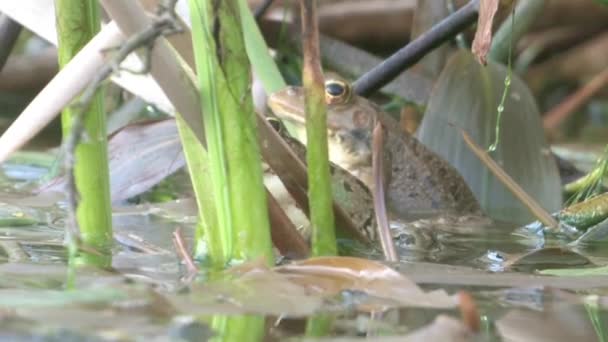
<point x="308" y="287"/>
<point x="331" y="275"/>
<point x="546" y="258"/>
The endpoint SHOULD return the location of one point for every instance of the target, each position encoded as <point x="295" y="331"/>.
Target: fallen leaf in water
<point x="307" y="287"/>
<point x="330" y="275"/>
<point x="249" y="288"/>
<point x="548" y="257"/>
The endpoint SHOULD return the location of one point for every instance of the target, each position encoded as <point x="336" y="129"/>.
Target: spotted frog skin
<point x="418" y="181"/>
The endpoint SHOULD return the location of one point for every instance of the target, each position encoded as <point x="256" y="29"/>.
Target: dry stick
<point x="538" y="211"/>
<point x="180" y="248"/>
<point x="178" y="83"/>
<point x="573" y="102"/>
<point x="384" y="230"/>
<point x="164" y="23"/>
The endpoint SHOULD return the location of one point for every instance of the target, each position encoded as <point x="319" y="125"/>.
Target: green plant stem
<point x="238" y="328"/>
<point x="235" y="166"/>
<point x="319" y="325"/>
<point x="501" y="107"/>
<point x="77" y="22"/>
<point x="203" y="44"/>
<point x="264" y="66"/>
<point x="317" y="156"/>
<point x="197" y="160"/>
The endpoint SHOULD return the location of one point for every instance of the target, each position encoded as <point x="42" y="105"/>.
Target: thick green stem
<point x="235" y="166"/>
<point x="238" y="328"/>
<point x="77" y="22"/>
<point x="317" y="156"/>
<point x="198" y="165"/>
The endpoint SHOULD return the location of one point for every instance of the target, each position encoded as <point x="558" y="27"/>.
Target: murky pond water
<point x="146" y="295"/>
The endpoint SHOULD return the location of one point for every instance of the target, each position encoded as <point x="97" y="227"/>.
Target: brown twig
<point x="573" y="102"/>
<point x="384" y="230"/>
<point x="536" y="209"/>
<point x="182" y="251"/>
<point x="468" y="311"/>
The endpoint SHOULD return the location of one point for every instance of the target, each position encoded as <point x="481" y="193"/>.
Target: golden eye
<point x="336" y="92"/>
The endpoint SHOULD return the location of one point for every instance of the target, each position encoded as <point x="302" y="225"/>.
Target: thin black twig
<point x="407" y="56"/>
<point x="461" y="41"/>
<point x="165" y="23"/>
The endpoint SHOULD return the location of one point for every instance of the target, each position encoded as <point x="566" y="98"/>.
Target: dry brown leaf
<point x="546" y="258"/>
<point x="307" y="287"/>
<point x="483" y="35"/>
<point x="330" y="275"/>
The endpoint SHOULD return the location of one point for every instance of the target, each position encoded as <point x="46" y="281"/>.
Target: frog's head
<point x="350" y="121"/>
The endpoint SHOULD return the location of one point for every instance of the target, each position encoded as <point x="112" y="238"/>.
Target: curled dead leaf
<point x="483" y="35"/>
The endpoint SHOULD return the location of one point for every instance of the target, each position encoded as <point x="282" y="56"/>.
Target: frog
<point x="417" y="181"/>
<point x="353" y="196"/>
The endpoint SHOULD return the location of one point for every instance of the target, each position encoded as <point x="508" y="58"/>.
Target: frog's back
<point x="421" y="181"/>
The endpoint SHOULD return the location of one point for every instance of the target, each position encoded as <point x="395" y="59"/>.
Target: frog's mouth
<point x="350" y="149"/>
<point x="288" y="104"/>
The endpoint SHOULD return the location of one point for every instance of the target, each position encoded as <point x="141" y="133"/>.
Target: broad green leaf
<point x="466" y="96"/>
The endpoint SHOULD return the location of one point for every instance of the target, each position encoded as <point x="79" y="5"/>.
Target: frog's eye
<point x="336" y="92"/>
<point x="275" y="123"/>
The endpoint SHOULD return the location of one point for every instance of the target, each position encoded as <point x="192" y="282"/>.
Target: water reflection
<point x="145" y="295"/>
